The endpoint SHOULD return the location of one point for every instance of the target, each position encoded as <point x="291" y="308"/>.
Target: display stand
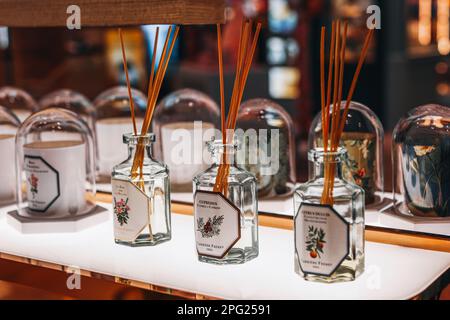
<point x="25" y="223"/>
<point x="399" y="272"/>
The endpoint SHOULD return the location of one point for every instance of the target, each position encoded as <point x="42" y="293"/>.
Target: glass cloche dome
<point x="266" y="133"/>
<point x="55" y="166"/>
<point x="18" y="101"/>
<point x="8" y="128"/>
<point x="180" y="118"/>
<point x="113" y="121"/>
<point x="363" y="137"/>
<point x="421" y="162"/>
<point x="70" y="100"/>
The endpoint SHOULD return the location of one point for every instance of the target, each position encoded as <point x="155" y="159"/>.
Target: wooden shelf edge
<point x="108" y="278"/>
<point x="100" y="13"/>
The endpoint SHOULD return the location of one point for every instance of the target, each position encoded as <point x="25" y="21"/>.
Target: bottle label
<point x="217" y="224"/>
<point x="321" y="239"/>
<point x="42" y="183"/>
<point x="131" y="210"/>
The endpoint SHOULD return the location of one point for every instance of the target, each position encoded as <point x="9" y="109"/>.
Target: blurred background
<point x="408" y="62"/>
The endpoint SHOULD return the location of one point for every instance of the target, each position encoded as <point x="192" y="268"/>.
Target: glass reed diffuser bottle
<point x="141" y="201"/>
<point x="329" y="210"/>
<point x="140" y="185"/>
<point x="226" y="223"/>
<point x="329" y="238"/>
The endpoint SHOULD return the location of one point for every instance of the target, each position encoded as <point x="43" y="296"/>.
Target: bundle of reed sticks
<point x="246" y="50"/>
<point x="333" y="121"/>
<point x="154" y="86"/>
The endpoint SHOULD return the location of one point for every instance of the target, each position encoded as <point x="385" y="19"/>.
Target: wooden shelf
<point x="99" y="13"/>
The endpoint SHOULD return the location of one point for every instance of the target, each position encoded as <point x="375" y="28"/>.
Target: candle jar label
<point x="217" y="224"/>
<point x="56" y="176"/>
<point x="132" y="210"/>
<point x="321" y="239"/>
<point x="42" y="183"/>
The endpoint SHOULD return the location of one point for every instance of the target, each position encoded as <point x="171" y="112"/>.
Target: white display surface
<point x="392" y="272"/>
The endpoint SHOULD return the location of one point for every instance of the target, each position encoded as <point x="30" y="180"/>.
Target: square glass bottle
<point x="226" y="227"/>
<point x="141" y="202"/>
<point x="329" y="239"/>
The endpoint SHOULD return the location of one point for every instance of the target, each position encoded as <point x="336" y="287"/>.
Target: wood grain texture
<point x="373" y="234"/>
<point x="53" y="13"/>
<point x="36" y="273"/>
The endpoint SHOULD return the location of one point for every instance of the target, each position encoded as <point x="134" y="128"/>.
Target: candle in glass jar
<point x="55" y="176"/>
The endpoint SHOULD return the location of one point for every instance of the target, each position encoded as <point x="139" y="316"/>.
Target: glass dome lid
<point x="55" y="165"/>
<point x="115" y="103"/>
<point x="179" y="120"/>
<point x="421" y="166"/>
<point x="18" y="101"/>
<point x="266" y="132"/>
<point x="363" y="138"/>
<point x="113" y="119"/>
<point x="70" y="100"/>
<point x="8" y="128"/>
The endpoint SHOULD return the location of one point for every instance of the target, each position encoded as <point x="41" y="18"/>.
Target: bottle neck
<point x="139" y="143"/>
<point x="223" y="154"/>
<point x="318" y="169"/>
<point x="132" y="148"/>
<point x="321" y="161"/>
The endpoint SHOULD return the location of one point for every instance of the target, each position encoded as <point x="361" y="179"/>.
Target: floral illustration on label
<point x="121" y="209"/>
<point x="33" y="180"/>
<point x="211" y="228"/>
<point x="315" y="241"/>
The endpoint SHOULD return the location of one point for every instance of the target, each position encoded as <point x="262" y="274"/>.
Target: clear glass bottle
<point x="141" y="204"/>
<point x="239" y="237"/>
<point x="329" y="240"/>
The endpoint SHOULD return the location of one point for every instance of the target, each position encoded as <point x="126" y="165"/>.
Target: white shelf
<point x="392" y="272"/>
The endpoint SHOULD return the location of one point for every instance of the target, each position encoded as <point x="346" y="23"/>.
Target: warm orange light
<point x="442" y="28"/>
<point x="425" y="12"/>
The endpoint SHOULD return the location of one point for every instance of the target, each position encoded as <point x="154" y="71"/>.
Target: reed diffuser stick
<point x="322" y="79"/>
<point x="330" y="77"/>
<point x="152" y="68"/>
<point x="125" y="67"/>
<point x="246" y="50"/>
<point x="331" y="138"/>
<point x="222" y="93"/>
<point x="355" y="78"/>
<point x="138" y="160"/>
